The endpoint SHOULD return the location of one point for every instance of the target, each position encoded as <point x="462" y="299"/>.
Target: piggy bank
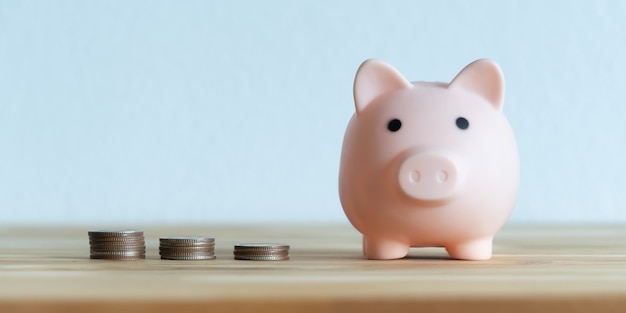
<point x="428" y="164"/>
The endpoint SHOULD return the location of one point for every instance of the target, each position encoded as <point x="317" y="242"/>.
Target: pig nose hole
<point x="414" y="176"/>
<point x="442" y="176"/>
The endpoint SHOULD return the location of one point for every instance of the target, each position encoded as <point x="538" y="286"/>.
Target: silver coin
<point x="186" y="254"/>
<point x="188" y="257"/>
<point x="141" y="248"/>
<point x="261" y="246"/>
<point x="262" y="253"/>
<point x="262" y="258"/>
<point x="116" y="246"/>
<point x="118" y="242"/>
<point x="125" y="253"/>
<point x="193" y="239"/>
<point x="115" y="233"/>
<point x="114" y="238"/>
<point x="117" y="251"/>
<point x="120" y="252"/>
<point x="117" y="238"/>
<point x="117" y="257"/>
<point x="187" y="249"/>
<point x="130" y="251"/>
<point x="200" y="246"/>
<point x="209" y="246"/>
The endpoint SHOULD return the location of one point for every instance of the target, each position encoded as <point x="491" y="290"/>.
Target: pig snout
<point x="429" y="176"/>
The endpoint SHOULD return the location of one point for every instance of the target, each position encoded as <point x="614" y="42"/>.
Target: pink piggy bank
<point x="428" y="164"/>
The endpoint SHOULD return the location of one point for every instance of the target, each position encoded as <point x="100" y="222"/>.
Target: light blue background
<point x="234" y="111"/>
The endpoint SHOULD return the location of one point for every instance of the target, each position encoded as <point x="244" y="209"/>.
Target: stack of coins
<point x="123" y="244"/>
<point x="261" y="251"/>
<point x="187" y="248"/>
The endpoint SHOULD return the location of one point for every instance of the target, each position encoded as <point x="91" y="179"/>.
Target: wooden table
<point x="534" y="268"/>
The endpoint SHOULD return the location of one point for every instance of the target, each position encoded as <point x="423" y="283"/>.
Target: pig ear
<point x="375" y="78"/>
<point x="484" y="78"/>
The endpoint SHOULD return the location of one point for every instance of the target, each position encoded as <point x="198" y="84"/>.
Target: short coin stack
<point x="261" y="252"/>
<point x="187" y="248"/>
<point x="123" y="244"/>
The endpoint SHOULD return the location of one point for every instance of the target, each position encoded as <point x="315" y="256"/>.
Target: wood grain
<point x="534" y="268"/>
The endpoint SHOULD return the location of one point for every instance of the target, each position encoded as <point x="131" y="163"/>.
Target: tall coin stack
<point x="261" y="252"/>
<point x="187" y="248"/>
<point x="123" y="244"/>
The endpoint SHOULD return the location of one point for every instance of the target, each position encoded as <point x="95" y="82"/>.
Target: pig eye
<point x="462" y="123"/>
<point x="394" y="125"/>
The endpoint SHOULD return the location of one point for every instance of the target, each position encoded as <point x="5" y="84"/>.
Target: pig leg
<point x="383" y="249"/>
<point x="476" y="249"/>
<point x="364" y="246"/>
